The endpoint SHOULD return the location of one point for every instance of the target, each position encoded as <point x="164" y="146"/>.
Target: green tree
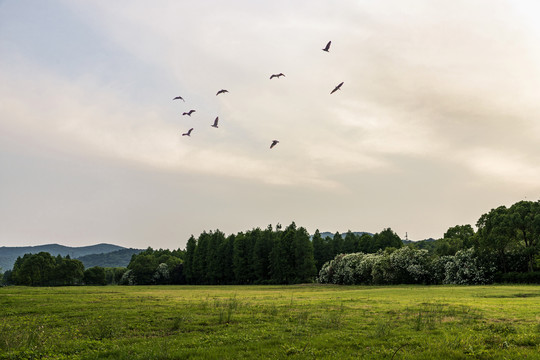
<point x="350" y="243"/>
<point x="95" y="276"/>
<point x="191" y="247"/>
<point x="337" y="244"/>
<point x="242" y="258"/>
<point x="143" y="266"/>
<point x="386" y="238"/>
<point x="459" y="237"/>
<point x="495" y="235"/>
<point x="200" y="259"/>
<point x="304" y="262"/>
<point x="68" y="271"/>
<point x="261" y="254"/>
<point x="364" y="243"/>
<point x="524" y="220"/>
<point x="226" y="251"/>
<point x="280" y="255"/>
<point x="463" y="232"/>
<point x="322" y="251"/>
<point x="7" y="279"/>
<point x="114" y="274"/>
<point x="34" y="269"/>
<point x="213" y="260"/>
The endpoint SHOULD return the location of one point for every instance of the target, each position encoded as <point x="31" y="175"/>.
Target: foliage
<point x="465" y="268"/>
<point x="7" y="278"/>
<point x="508" y="239"/>
<point x="254" y="257"/>
<point x="95" y="276"/>
<point x="154" y="267"/>
<point x="516" y="228"/>
<point x="42" y="269"/>
<point x="407" y="266"/>
<point x="456" y="238"/>
<point x="114" y="274"/>
<point x="128" y="278"/>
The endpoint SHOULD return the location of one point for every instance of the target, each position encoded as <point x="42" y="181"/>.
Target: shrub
<point x="466" y="269"/>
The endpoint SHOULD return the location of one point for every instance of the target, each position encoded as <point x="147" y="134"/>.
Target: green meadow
<point x="296" y="322"/>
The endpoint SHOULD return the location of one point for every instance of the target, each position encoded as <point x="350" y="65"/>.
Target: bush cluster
<point x="43" y="269"/>
<point x="407" y="266"/>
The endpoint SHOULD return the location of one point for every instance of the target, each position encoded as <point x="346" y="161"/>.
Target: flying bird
<point x="179" y="98"/>
<point x="277" y="75"/>
<point x="337" y="88"/>
<point x="274" y="143"/>
<point x="215" y="122"/>
<point x="188" y="133"/>
<point x="188" y="113"/>
<point x="222" y="91"/>
<point x="327" y="47"/>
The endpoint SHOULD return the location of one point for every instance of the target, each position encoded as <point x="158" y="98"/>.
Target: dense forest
<point x="505" y="248"/>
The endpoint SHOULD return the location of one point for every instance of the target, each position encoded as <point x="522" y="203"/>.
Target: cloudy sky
<point x="437" y="122"/>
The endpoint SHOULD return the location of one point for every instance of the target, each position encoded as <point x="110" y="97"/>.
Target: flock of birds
<point x="223" y="91"/>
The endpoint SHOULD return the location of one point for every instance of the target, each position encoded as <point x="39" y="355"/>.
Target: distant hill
<point x="426" y="243"/>
<point x="331" y="235"/>
<point x="8" y="255"/>
<point x="118" y="258"/>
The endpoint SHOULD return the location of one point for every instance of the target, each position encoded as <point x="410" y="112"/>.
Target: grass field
<point x="297" y="322"/>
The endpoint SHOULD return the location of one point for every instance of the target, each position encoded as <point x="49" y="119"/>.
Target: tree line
<point x="270" y="256"/>
<point x="280" y="256"/>
<point x="505" y="248"/>
<point x="43" y="269"/>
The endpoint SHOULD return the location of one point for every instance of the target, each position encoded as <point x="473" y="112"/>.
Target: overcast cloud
<point x="437" y="121"/>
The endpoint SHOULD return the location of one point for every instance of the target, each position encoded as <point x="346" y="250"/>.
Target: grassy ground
<point x="297" y="322"/>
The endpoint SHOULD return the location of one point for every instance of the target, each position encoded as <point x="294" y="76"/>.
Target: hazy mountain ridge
<point x="331" y="235"/>
<point x="360" y="233"/>
<point x="118" y="258"/>
<point x="8" y="255"/>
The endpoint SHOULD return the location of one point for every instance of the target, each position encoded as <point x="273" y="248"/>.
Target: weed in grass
<point x="24" y="335"/>
<point x="382" y="329"/>
<point x="302" y="317"/>
<point x="427" y="317"/>
<point x="227" y="309"/>
<point x="272" y="310"/>
<point x="526" y="340"/>
<point x="430" y="315"/>
<point x="179" y="322"/>
<point x="334" y="317"/>
<point x="502" y="328"/>
<point x="99" y="329"/>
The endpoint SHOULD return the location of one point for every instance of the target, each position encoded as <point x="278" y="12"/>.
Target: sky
<point x="437" y="122"/>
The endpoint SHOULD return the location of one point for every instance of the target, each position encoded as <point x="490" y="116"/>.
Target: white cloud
<point x="513" y="168"/>
<point x="451" y="88"/>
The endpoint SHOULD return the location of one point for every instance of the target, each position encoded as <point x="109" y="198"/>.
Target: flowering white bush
<point x="406" y="266"/>
<point x="466" y="269"/>
<point x="161" y="275"/>
<point x="410" y="266"/>
<point x="381" y="269"/>
<point x="438" y="266"/>
<point x="128" y="278"/>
